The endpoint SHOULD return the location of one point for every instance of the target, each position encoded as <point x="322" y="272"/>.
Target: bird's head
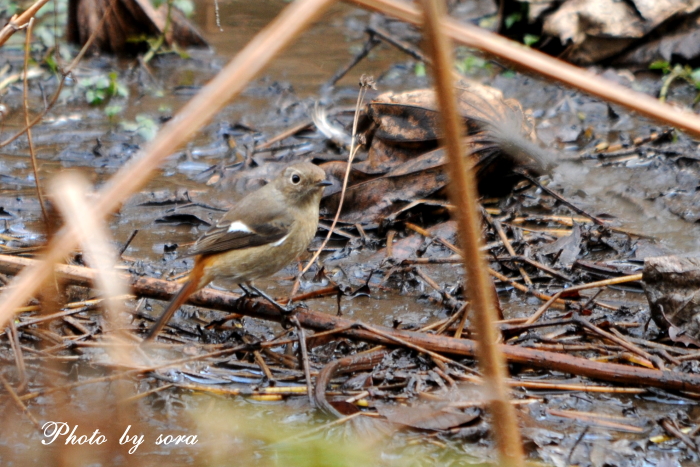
<point x="302" y="183"/>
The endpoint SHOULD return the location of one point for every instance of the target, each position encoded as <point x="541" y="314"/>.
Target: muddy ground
<point x="648" y="190"/>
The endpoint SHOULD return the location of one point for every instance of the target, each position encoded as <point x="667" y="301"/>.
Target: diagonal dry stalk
<point x="538" y="62"/>
<point x="18" y="22"/>
<point x="462" y="189"/>
<point x="212" y="98"/>
<point x="70" y="191"/>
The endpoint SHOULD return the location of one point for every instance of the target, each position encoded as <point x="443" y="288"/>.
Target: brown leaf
<point x="427" y="418"/>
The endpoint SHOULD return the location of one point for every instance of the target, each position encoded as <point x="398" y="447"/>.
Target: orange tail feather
<point x="187" y="289"/>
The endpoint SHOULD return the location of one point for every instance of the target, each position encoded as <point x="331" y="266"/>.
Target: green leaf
<point x="102" y="82"/>
<point x="121" y="90"/>
<point x="530" y="39"/>
<point x="50" y="62"/>
<point x="695" y="76"/>
<point x="144" y="126"/>
<point x="129" y="126"/>
<point x="91" y="97"/>
<point x="513" y="18"/>
<point x="662" y="65"/>
<point x="113" y="110"/>
<point x="420" y="69"/>
<point x="185" y="6"/>
<point x="471" y="63"/>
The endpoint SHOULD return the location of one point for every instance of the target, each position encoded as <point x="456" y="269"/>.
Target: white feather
<point x="330" y="131"/>
<point x="239" y="226"/>
<point x="280" y="241"/>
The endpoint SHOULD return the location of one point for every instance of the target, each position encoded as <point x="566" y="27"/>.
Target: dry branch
<point x="230" y="302"/>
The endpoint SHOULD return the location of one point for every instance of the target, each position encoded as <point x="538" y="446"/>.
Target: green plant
<point x="144" y="126"/>
<point x="513" y="18"/>
<point x="471" y="63"/>
<point x="156" y="45"/>
<point x="112" y="111"/>
<point x="671" y="73"/>
<point x="530" y="39"/>
<point x="185" y="6"/>
<point x="100" y="89"/>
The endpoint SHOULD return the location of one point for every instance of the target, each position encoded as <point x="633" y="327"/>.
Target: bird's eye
<point x="296" y="179"/>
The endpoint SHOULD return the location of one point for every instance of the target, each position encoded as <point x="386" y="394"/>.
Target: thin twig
<point x="415" y="347"/>
<point x="619" y="341"/>
<point x="16" y="399"/>
<point x="365" y="83"/>
<point x="675" y="431"/>
<point x="576" y="443"/>
<point x="506" y="243"/>
<point x="463" y="314"/>
<point x="370" y="44"/>
<point x="285" y="134"/>
<point x="32" y="152"/>
<point x="304" y="357"/>
<point x="536" y="315"/>
<point x="263" y="366"/>
<point x="19" y="356"/>
<point x="561" y="199"/>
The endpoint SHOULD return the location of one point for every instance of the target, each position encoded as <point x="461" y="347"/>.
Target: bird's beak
<point x="324" y="183"/>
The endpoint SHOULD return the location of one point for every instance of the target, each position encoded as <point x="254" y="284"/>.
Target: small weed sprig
<point x="672" y="73"/>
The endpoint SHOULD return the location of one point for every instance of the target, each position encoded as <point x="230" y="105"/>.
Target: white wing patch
<point x="280" y="241"/>
<point x="239" y="226"/>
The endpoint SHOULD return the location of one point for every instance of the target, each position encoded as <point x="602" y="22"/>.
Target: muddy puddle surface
<point x="650" y="191"/>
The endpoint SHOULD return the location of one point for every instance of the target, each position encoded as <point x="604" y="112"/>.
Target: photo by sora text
<point x="55" y="430"/>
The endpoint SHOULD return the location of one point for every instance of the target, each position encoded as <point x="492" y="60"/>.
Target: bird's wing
<point x="253" y="222"/>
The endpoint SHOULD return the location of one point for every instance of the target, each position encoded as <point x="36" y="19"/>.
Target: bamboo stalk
<point x="462" y="189"/>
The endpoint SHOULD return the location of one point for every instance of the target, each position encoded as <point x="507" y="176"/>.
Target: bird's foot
<point x="286" y="310"/>
<point x="249" y="291"/>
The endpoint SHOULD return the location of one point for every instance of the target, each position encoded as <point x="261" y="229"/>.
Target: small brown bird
<point x="263" y="233"/>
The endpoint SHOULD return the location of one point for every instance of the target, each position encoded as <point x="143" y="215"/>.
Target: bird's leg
<point x="285" y="310"/>
<point x="246" y="292"/>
